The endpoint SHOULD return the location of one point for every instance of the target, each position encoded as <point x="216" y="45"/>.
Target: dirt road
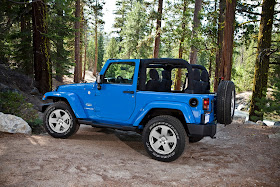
<point x="241" y="155"/>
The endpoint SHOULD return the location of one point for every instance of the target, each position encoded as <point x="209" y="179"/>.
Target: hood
<point x="70" y="87"/>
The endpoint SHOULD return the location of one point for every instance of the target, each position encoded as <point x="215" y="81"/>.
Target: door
<point x="116" y="98"/>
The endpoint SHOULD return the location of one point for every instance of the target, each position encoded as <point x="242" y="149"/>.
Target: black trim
<point x="103" y="125"/>
<point x="43" y="107"/>
<point x="202" y="130"/>
<point x="129" y="92"/>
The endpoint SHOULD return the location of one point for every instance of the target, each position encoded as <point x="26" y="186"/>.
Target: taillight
<point x="206" y="104"/>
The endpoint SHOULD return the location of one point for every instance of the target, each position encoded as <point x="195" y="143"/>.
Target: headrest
<point x="165" y="75"/>
<point x="196" y="74"/>
<point x="154" y="74"/>
<point x="204" y="76"/>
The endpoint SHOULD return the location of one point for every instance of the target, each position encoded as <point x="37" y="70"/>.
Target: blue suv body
<point x="137" y="95"/>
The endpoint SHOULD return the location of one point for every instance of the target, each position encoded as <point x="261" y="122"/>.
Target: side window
<point x="184" y="79"/>
<point x="120" y="73"/>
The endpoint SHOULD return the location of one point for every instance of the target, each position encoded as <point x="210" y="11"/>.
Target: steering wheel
<point x="120" y="79"/>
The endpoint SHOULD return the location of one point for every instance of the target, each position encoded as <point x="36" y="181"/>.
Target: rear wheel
<point x="225" y="102"/>
<point x="164" y="138"/>
<point x="60" y="121"/>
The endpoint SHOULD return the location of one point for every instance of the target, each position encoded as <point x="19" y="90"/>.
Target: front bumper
<point x="202" y="130"/>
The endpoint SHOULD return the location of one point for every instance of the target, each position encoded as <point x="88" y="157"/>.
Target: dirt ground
<point x="241" y="155"/>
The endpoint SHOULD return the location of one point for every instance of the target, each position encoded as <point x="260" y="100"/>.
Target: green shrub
<point x="15" y="103"/>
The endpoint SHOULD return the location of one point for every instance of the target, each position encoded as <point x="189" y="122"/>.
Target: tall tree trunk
<point x="227" y="50"/>
<point x="85" y="61"/>
<point x="158" y="29"/>
<point x="262" y="60"/>
<point x="77" y="42"/>
<point x="81" y="45"/>
<point x="178" y="75"/>
<point x="222" y="7"/>
<point x="59" y="46"/>
<point x="196" y="22"/>
<point x="41" y="47"/>
<point x="96" y="41"/>
<point x="26" y="42"/>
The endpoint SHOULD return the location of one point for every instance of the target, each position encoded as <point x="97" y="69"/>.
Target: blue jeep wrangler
<point x="138" y="95"/>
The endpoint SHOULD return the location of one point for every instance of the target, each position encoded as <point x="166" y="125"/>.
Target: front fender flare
<point x="183" y="107"/>
<point x="72" y="99"/>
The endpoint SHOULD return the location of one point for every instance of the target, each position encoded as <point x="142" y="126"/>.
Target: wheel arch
<point x="69" y="98"/>
<point x="184" y="114"/>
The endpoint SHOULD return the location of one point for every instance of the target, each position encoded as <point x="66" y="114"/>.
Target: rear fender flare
<point x="184" y="108"/>
<point x="72" y="99"/>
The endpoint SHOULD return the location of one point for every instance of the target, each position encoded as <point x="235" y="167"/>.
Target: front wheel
<point x="164" y="138"/>
<point x="60" y="121"/>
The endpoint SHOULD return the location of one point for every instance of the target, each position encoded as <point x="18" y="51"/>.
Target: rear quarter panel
<point x="147" y="100"/>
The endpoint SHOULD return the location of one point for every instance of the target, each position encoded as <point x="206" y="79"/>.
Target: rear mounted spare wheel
<point x="225" y="102"/>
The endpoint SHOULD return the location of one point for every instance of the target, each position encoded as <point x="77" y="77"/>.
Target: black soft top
<point x="167" y="64"/>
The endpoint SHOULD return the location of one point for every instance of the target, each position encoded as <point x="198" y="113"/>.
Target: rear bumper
<point x="202" y="130"/>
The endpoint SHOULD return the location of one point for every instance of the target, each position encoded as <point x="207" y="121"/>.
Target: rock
<point x="5" y="88"/>
<point x="239" y="118"/>
<point x="13" y="124"/>
<point x="277" y="135"/>
<point x="277" y="123"/>
<point x="35" y="91"/>
<point x="241" y="107"/>
<point x="250" y="123"/>
<point x="261" y="123"/>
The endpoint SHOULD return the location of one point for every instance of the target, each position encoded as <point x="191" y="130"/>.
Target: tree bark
<point x="85" y="61"/>
<point x="262" y="60"/>
<point x="227" y="50"/>
<point x="41" y="47"/>
<point x="96" y="50"/>
<point x="178" y="75"/>
<point x="158" y="29"/>
<point x="59" y="45"/>
<point x="96" y="41"/>
<point x="77" y="42"/>
<point x="81" y="45"/>
<point x="222" y="7"/>
<point x="196" y="22"/>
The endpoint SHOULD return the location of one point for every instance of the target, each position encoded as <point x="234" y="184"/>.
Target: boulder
<point x="13" y="124"/>
<point x="250" y="123"/>
<point x="261" y="123"/>
<point x="35" y="91"/>
<point x="277" y="123"/>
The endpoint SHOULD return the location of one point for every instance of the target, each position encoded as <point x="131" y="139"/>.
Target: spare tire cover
<point x="225" y="102"/>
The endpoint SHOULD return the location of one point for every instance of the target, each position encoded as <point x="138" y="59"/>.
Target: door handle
<point x="129" y="92"/>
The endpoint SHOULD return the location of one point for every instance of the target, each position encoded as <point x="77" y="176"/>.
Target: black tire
<point x="156" y="140"/>
<point x="225" y="102"/>
<point x="194" y="139"/>
<point x="60" y="121"/>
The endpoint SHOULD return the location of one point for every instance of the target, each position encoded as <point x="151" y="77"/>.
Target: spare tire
<point x="225" y="102"/>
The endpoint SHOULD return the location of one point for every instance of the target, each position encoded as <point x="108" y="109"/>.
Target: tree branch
<point x="247" y="11"/>
<point x="248" y="22"/>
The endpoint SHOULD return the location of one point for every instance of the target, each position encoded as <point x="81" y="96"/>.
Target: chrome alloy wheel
<point x="163" y="139"/>
<point x="59" y="121"/>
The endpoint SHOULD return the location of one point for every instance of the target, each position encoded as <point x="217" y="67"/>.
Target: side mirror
<point x="98" y="80"/>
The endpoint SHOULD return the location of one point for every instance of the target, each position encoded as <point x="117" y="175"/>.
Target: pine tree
<point x="134" y="33"/>
<point x="77" y="42"/>
<point x="196" y="22"/>
<point x="158" y="29"/>
<point x="262" y="60"/>
<point x="222" y="8"/>
<point x="60" y="31"/>
<point x="41" y="44"/>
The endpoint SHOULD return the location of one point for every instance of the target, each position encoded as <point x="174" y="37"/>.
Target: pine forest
<point x="235" y="40"/>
